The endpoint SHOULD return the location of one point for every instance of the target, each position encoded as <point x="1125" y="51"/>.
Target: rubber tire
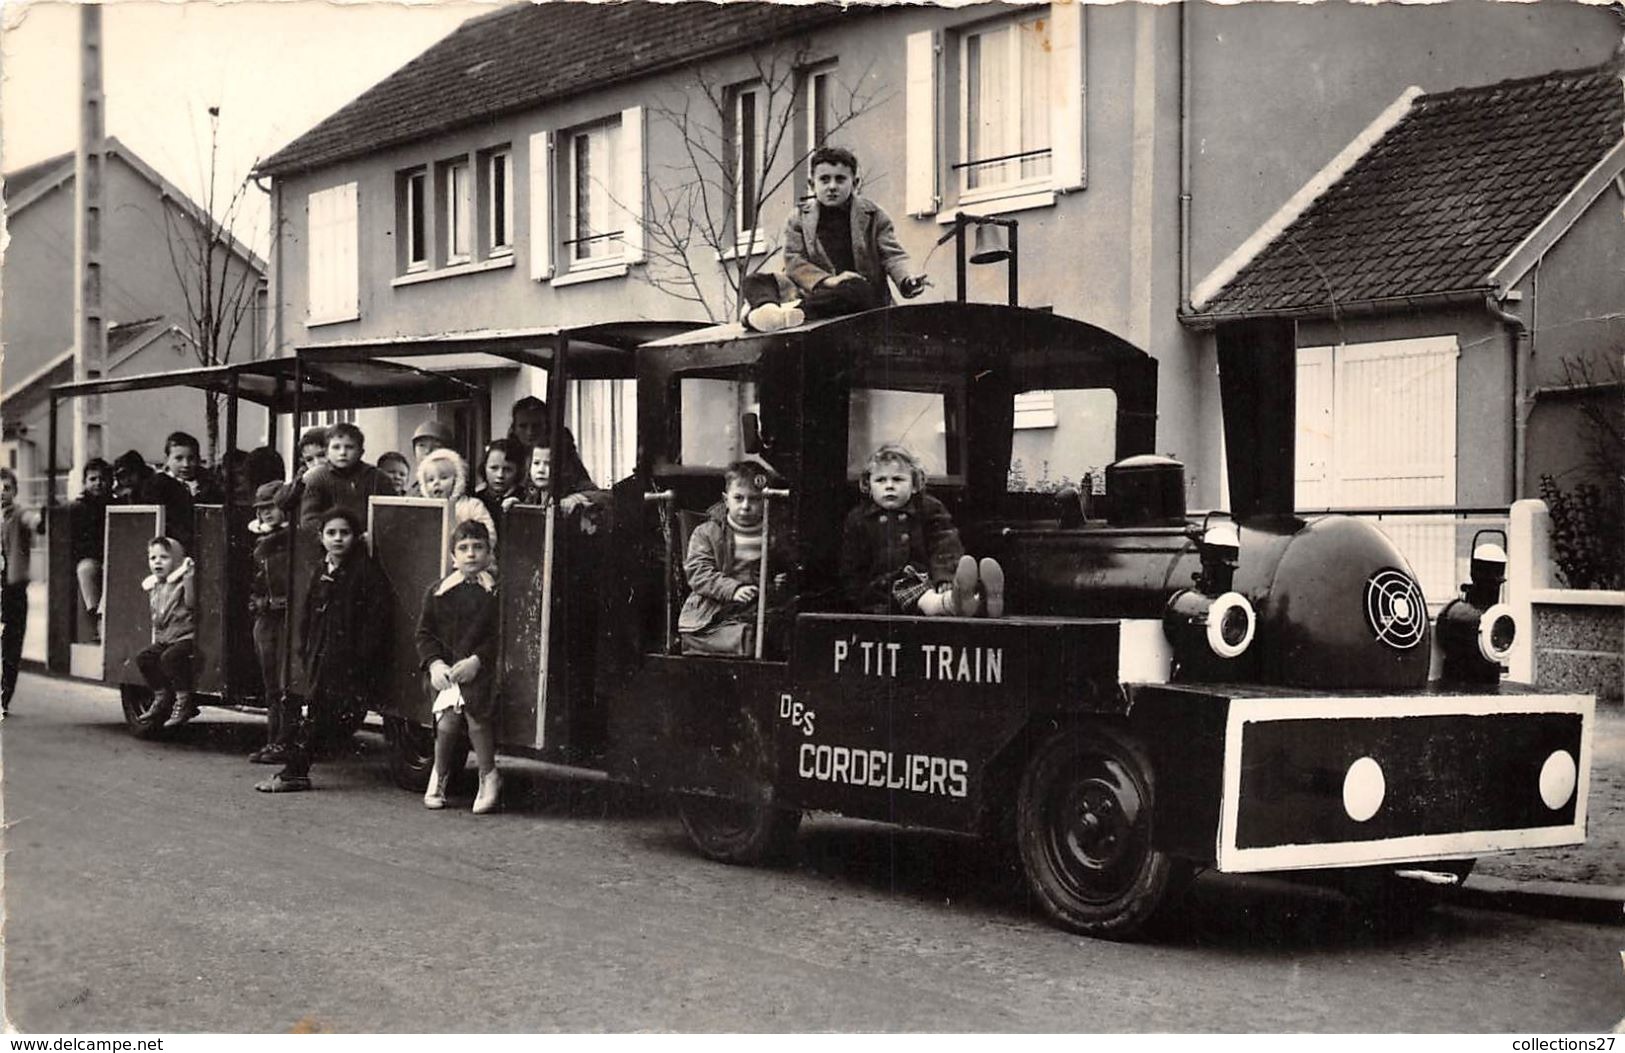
<point x="134" y="699"/>
<point x="1103" y="878"/>
<point x="411" y="753"/>
<point x="737" y="832"/>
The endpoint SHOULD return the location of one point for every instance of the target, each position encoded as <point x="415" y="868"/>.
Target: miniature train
<point x="1246" y="692"/>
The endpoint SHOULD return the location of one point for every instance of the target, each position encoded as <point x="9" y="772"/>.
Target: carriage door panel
<point x="128" y="624"/>
<point x="523" y="563"/>
<point x="409" y="537"/>
<point x="209" y="666"/>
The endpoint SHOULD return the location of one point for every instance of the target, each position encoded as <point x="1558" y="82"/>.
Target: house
<point x="1457" y="275"/>
<point x="148" y="328"/>
<point x="537" y="166"/>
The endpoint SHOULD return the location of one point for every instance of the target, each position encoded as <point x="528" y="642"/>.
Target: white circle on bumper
<point x="1363" y="789"/>
<point x="1557" y="779"/>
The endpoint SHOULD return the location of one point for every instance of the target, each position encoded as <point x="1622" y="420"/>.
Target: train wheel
<point x="1084" y="823"/>
<point x="411" y="753"/>
<point x="739" y="832"/>
<point x="144" y="720"/>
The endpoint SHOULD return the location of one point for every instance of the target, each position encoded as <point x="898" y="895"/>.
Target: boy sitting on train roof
<point x="839" y="247"/>
<point x="901" y="553"/>
<point x="724" y="568"/>
<point x="342" y="642"/>
<point x="344" y="480"/>
<point x="268" y="602"/>
<point x="166" y="664"/>
<point x="457" y="647"/>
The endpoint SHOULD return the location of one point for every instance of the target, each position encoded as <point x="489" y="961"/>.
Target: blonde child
<point x="457" y="647"/>
<point x="443" y="475"/>
<point x="901" y="553"/>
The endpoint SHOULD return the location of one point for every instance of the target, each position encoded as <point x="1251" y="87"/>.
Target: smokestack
<point x="1258" y="385"/>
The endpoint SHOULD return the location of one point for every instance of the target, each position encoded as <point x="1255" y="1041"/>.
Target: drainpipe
<point x="1518" y="330"/>
<point x="1184" y="160"/>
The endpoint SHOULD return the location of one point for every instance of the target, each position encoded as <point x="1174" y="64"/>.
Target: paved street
<point x="147" y="887"/>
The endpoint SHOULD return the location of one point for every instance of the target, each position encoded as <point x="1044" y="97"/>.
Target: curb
<point x="1564" y="900"/>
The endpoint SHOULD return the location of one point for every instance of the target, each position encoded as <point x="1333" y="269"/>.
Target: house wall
<point x="1575" y="297"/>
<point x="1483" y="388"/>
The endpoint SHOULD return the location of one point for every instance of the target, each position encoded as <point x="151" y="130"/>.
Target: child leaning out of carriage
<point x="724" y="569"/>
<point x="457" y="647"/>
<point x="901" y="553"/>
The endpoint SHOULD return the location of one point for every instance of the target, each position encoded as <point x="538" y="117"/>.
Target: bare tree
<point x="218" y="281"/>
<point x="695" y="203"/>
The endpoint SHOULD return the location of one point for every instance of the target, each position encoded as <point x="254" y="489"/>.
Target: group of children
<point x="900" y="550"/>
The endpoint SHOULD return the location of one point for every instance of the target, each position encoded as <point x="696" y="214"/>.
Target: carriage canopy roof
<point x="593" y="350"/>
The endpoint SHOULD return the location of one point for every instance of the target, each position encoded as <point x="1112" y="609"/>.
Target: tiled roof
<point x="524" y="55"/>
<point x="1440" y="200"/>
<point x="125" y="333"/>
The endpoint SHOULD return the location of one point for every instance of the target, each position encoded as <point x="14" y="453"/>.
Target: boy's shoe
<point x="161" y="699"/>
<point x="490" y="788"/>
<point x="964" y="591"/>
<point x="282" y="782"/>
<point x="275" y="753"/>
<point x="435" y="796"/>
<point x="992" y="587"/>
<point x="183" y="710"/>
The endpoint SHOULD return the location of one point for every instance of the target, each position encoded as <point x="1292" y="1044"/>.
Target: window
<point x="456" y="210"/>
<point x="412" y="215"/>
<point x="333" y="265"/>
<point x="497" y="167"/>
<point x="925" y="422"/>
<point x="603" y="417"/>
<point x="594" y="231"/>
<point x="1009" y="126"/>
<point x="709" y="413"/>
<point x="587" y="191"/>
<point x="745" y="143"/>
<point x="1061" y="436"/>
<point x="326" y="418"/>
<point x="818" y="108"/>
<point x="1003" y="97"/>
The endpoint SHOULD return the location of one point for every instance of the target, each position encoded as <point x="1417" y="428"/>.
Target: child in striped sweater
<point x="724" y="571"/>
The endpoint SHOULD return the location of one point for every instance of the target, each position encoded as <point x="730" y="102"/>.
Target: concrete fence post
<point x="1529" y="567"/>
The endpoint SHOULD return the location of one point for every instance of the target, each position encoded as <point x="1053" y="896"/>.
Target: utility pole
<point x="90" y="348"/>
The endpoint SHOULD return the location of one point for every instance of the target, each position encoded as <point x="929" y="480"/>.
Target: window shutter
<point x="1395" y="423"/>
<point x="1314" y="441"/>
<point x="1067" y="119"/>
<point x="630" y="174"/>
<point x="920" y="105"/>
<point x="316" y="271"/>
<point x="541" y="206"/>
<point x="346" y="251"/>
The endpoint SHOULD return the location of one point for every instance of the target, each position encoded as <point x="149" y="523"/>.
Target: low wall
<point x="1569" y="640"/>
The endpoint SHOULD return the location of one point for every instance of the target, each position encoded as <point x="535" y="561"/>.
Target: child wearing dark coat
<point x="342" y="642"/>
<point x="901" y="553"/>
<point x="268" y="602"/>
<point x="457" y="647"/>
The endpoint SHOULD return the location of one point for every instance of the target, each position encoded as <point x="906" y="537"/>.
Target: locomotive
<point x="1247" y="691"/>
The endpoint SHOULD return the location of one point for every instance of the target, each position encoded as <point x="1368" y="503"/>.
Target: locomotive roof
<point x="270" y="383"/>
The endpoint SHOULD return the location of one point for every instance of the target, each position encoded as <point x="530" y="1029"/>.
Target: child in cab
<point x="342" y="642"/>
<point x="901" y="553"/>
<point x="457" y="646"/>
<point x="268" y="602"/>
<point x="724" y="565"/>
<point x="166" y="664"/>
<point x="443" y="476"/>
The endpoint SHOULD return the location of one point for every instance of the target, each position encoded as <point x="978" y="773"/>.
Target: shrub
<point x="1588" y="534"/>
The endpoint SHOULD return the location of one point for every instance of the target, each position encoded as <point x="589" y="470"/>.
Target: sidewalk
<point x="1582" y="881"/>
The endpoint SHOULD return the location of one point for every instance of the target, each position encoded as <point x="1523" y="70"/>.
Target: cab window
<point x="710" y="413"/>
<point x="1060" y="436"/>
<point x="924" y="421"/>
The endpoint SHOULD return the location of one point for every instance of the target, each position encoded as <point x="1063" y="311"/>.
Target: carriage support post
<point x="50" y="456"/>
<point x="232" y="543"/>
<point x="288" y="622"/>
<point x="769" y="495"/>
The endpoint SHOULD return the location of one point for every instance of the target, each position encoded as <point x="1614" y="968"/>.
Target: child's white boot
<point x="490" y="788"/>
<point x="435" y="795"/>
